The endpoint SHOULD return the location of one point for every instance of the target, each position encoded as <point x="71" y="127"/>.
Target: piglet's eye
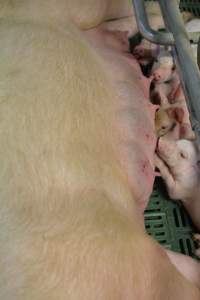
<point x="198" y="163"/>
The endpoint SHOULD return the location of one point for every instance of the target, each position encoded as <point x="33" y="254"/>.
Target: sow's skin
<point x="70" y="210"/>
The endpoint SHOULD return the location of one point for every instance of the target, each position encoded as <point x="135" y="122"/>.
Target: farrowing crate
<point x="166" y="220"/>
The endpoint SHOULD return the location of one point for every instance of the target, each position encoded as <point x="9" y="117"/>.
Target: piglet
<point x="163" y="67"/>
<point x="179" y="165"/>
<point x="193" y="25"/>
<point x="172" y="99"/>
<point x="170" y="121"/>
<point x="165" y="77"/>
<point x="145" y="52"/>
<point x="166" y="119"/>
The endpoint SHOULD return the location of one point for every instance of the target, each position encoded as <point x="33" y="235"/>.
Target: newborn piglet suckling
<point x="179" y="165"/>
<point x="168" y="93"/>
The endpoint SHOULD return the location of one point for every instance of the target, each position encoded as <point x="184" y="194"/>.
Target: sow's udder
<point x="134" y="114"/>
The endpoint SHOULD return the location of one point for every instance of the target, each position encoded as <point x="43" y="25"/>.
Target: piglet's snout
<point x="156" y="76"/>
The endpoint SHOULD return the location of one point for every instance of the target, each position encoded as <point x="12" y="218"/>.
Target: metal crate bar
<point x="189" y="72"/>
<point x="152" y="35"/>
<point x="144" y="28"/>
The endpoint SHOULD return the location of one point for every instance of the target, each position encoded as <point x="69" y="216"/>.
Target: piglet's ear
<point x="177" y="113"/>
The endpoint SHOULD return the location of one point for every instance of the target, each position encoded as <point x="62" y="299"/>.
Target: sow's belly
<point x="137" y="140"/>
<point x="134" y="114"/>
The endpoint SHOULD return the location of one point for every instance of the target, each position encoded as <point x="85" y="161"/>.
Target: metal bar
<point x="152" y="35"/>
<point x="144" y="28"/>
<point x="190" y="75"/>
<point x="198" y="54"/>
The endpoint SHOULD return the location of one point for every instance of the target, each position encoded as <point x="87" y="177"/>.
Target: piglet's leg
<point x="163" y="98"/>
<point x="175" y="85"/>
<point x="159" y="94"/>
<point x="186" y="265"/>
<point x="169" y="176"/>
<point x="175" y="94"/>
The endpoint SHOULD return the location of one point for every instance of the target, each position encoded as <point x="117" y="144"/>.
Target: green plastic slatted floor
<point x="189" y="5"/>
<point x="166" y="220"/>
<point x="192" y="5"/>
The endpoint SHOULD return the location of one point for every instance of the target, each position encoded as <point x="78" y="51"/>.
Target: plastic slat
<point x="192" y="6"/>
<point x="168" y="223"/>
